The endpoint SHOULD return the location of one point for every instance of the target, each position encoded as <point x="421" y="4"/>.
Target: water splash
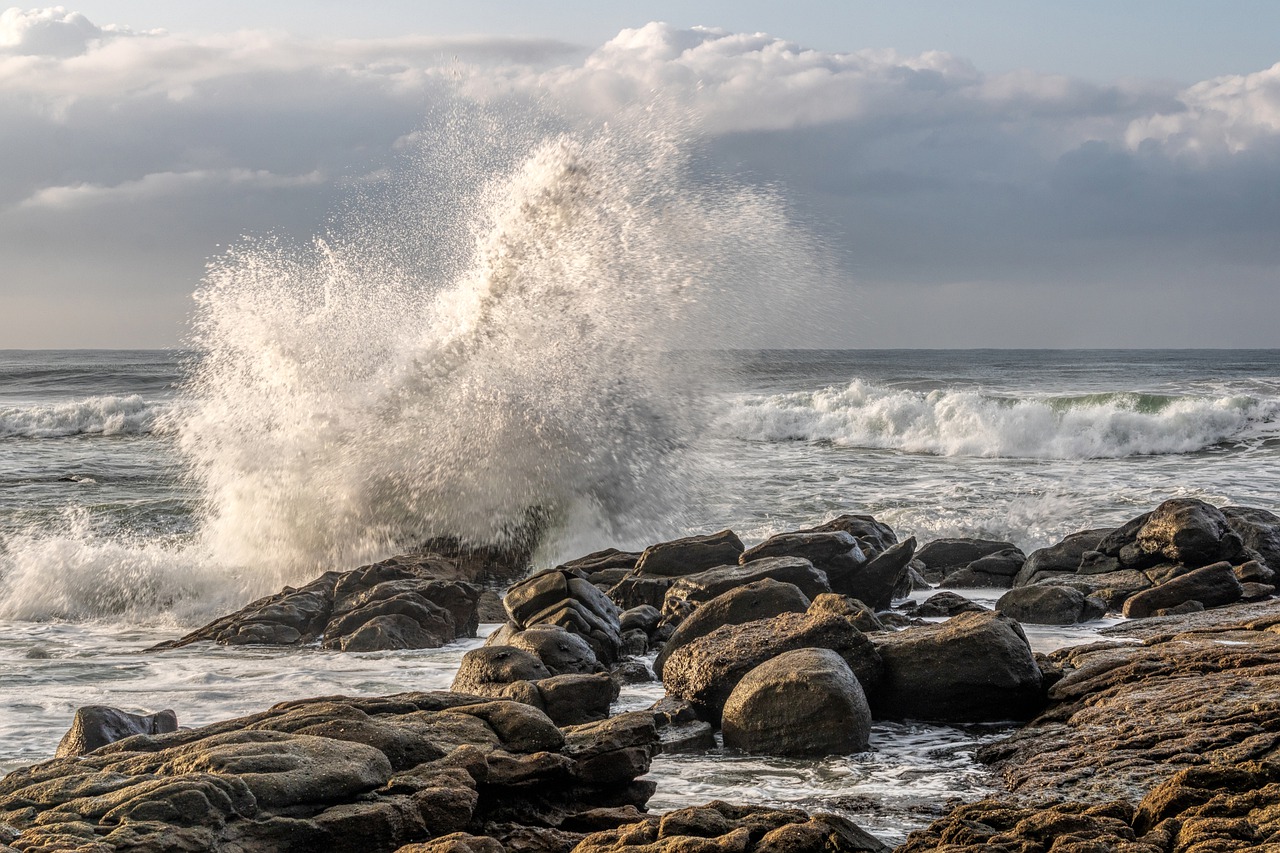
<point x="497" y="337"/>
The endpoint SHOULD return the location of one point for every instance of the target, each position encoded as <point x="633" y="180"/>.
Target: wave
<point x="970" y="423"/>
<point x="104" y="415"/>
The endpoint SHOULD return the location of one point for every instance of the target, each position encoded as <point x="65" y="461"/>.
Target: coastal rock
<point x="705" y="671"/>
<point x="975" y="667"/>
<point x="98" y="725"/>
<point x="885" y="577"/>
<point x="358" y="774"/>
<point x="874" y="537"/>
<point x="835" y="553"/>
<point x="1259" y="530"/>
<point x="508" y="672"/>
<point x="1212" y="586"/>
<point x="945" y="605"/>
<point x="482" y="669"/>
<point x="565" y="598"/>
<point x="723" y="828"/>
<point x="990" y="571"/>
<point x="1183" y="531"/>
<point x="1060" y="559"/>
<point x="941" y="557"/>
<point x="644" y="618"/>
<point x="756" y="600"/>
<point x="690" y="555"/>
<point x="402" y="603"/>
<point x="561" y="652"/>
<point x="1050" y="605"/>
<point x="802" y="702"/>
<point x="694" y="590"/>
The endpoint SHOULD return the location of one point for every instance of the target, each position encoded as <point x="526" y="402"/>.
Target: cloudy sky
<point x="981" y="174"/>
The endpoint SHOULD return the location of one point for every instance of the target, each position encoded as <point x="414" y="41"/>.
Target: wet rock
<point x="1050" y="605"/>
<point x="705" y="671"/>
<point x="802" y="702"/>
<point x="945" y="605"/>
<point x="704" y="586"/>
<point x="722" y="828"/>
<point x="1182" y="531"/>
<point x="994" y="571"/>
<point x="561" y="652"/>
<point x="1259" y="530"/>
<point x="835" y="553"/>
<point x="610" y="559"/>
<point x="565" y="598"/>
<point x="1212" y="586"/>
<point x="756" y="600"/>
<point x="640" y="591"/>
<point x="874" y="537"/>
<point x="1060" y="559"/>
<point x="975" y="667"/>
<point x="690" y="555"/>
<point x="97" y="725"/>
<point x="481" y="669"/>
<point x="577" y="698"/>
<point x="403" y="603"/>
<point x="941" y="557"/>
<point x="645" y="618"/>
<point x="885" y="577"/>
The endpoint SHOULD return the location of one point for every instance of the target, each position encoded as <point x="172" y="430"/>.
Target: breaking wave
<point x="969" y="423"/>
<point x="103" y="415"/>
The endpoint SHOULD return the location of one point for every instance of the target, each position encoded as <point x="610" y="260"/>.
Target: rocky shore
<point x="1161" y="738"/>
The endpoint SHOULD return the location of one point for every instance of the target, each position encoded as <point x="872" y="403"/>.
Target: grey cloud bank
<point x="960" y="208"/>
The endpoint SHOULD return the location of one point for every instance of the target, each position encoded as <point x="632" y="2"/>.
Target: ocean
<point x="144" y="492"/>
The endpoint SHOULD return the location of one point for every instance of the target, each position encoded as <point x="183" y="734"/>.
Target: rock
<point x="484" y="668"/>
<point x="1259" y="530"/>
<point x="802" y="702"/>
<point x="405" y="602"/>
<point x="941" y="557"/>
<point x="723" y="828"/>
<point x="563" y="598"/>
<point x="560" y="651"/>
<point x="97" y="725"/>
<point x="577" y="698"/>
<point x="885" y="577"/>
<point x="645" y="618"/>
<point x="945" y="605"/>
<point x="690" y="555"/>
<point x="705" y="671"/>
<point x="1050" y="605"/>
<point x="756" y="600"/>
<point x="603" y="561"/>
<point x="995" y="570"/>
<point x="835" y="553"/>
<point x="1060" y="559"/>
<point x="1182" y="530"/>
<point x="1212" y="586"/>
<point x="640" y="591"/>
<point x="634" y="644"/>
<point x="975" y="667"/>
<point x="704" y="586"/>
<point x="873" y="536"/>
<point x="1256" y="591"/>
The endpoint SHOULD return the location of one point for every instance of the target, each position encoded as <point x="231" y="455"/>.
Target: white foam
<point x="969" y="423"/>
<point x="104" y="415"/>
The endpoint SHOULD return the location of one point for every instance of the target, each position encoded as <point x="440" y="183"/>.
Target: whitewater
<point x="527" y="320"/>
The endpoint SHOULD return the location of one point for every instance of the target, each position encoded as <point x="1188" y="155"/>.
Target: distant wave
<point x="106" y="415"/>
<point x="969" y="423"/>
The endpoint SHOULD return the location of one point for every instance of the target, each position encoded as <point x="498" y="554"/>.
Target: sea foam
<point x="971" y="423"/>
<point x="101" y="415"/>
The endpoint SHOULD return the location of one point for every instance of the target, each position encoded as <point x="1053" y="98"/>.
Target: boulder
<point x="1060" y="559"/>
<point x="990" y="571"/>
<point x="941" y="557"/>
<point x="98" y="725"/>
<point x="565" y="598"/>
<point x="407" y="602"/>
<point x="802" y="702"/>
<point x="975" y="667"/>
<point x="705" y="671"/>
<point x="1050" y="605"/>
<point x="690" y="555"/>
<point x="484" y="668"/>
<point x="885" y="577"/>
<point x="644" y="618"/>
<point x="835" y="553"/>
<point x="1212" y="586"/>
<point x="1183" y="531"/>
<point x="1259" y="530"/>
<point x="945" y="605"/>
<point x="700" y="588"/>
<point x="561" y="652"/>
<point x="874" y="537"/>
<point x="756" y="600"/>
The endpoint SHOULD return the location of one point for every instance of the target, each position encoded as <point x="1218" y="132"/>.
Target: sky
<point x="980" y="174"/>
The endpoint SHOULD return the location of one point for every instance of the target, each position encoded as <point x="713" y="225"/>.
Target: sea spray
<point x="392" y="382"/>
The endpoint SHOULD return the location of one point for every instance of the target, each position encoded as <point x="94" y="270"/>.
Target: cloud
<point x="922" y="173"/>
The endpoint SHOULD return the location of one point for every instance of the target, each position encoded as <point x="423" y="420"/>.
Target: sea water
<point x="530" y="320"/>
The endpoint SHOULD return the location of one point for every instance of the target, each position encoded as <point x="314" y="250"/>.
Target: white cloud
<point x="1228" y="114"/>
<point x="161" y="185"/>
<point x="47" y="32"/>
